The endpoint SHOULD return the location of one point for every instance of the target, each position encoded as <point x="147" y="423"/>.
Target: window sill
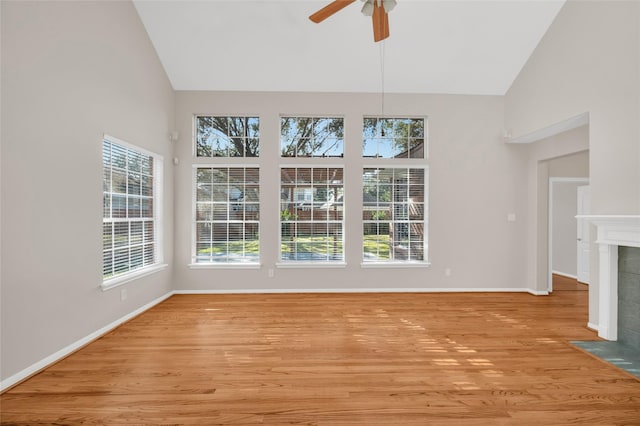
<point x="225" y="266"/>
<point x="373" y="265"/>
<point x="307" y="265"/>
<point x="131" y="276"/>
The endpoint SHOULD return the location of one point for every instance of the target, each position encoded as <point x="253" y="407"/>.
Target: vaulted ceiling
<point x="451" y="46"/>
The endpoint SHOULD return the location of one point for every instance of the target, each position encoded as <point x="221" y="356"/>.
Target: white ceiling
<point x="451" y="46"/>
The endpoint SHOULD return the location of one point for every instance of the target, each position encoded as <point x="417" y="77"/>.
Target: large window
<point x="394" y="198"/>
<point x="311" y="195"/>
<point x="311" y="192"/>
<point x="227" y="208"/>
<point x="311" y="214"/>
<point x="227" y="136"/>
<point x="227" y="194"/>
<point x="394" y="214"/>
<point x="130" y="209"/>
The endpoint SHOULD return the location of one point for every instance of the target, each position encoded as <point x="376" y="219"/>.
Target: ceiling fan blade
<point x="329" y="10"/>
<point x="380" y="22"/>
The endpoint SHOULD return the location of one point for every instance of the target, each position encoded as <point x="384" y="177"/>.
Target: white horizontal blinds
<point x="227" y="215"/>
<point x="312" y="214"/>
<point x="223" y="136"/>
<point x="312" y="136"/>
<point x="129" y="241"/>
<point x="393" y="138"/>
<point x="394" y="214"/>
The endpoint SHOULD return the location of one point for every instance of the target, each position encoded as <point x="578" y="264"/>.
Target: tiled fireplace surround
<point x="619" y="318"/>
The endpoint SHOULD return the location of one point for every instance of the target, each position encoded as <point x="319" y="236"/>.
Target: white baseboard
<point x="538" y="292"/>
<point x="562" y="274"/>
<point x="66" y="351"/>
<point x="358" y="290"/>
<point x="593" y="326"/>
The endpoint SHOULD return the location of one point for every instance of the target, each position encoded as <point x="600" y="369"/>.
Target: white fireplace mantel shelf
<point x="616" y="230"/>
<point x="613" y="231"/>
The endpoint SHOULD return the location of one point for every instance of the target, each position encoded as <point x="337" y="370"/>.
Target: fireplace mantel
<point x="613" y="231"/>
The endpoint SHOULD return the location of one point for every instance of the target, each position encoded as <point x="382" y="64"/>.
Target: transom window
<point x="312" y="214"/>
<point x="312" y="136"/>
<point x="227" y="136"/>
<point x="227" y="209"/>
<point x="129" y="220"/>
<point x="393" y="138"/>
<point x="394" y="214"/>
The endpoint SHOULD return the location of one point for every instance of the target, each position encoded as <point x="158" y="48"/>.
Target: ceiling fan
<point x="377" y="9"/>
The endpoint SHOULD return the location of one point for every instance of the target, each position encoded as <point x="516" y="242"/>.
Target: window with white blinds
<point x="312" y="214"/>
<point x="394" y="214"/>
<point x="227" y="210"/>
<point x="130" y="225"/>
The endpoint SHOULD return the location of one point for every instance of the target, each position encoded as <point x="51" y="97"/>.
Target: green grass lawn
<point x="239" y="247"/>
<point x="375" y="245"/>
<point x="320" y="244"/>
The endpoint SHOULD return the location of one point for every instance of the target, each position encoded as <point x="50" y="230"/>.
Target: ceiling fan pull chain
<point x="382" y="77"/>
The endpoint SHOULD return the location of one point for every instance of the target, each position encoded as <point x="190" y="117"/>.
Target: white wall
<point x="71" y="71"/>
<point x="572" y="165"/>
<point x="475" y="181"/>
<point x="589" y="61"/>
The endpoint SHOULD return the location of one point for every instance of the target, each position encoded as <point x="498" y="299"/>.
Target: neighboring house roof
<point x="416" y="151"/>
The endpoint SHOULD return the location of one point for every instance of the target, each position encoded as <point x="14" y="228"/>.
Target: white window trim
<point x="292" y="264"/>
<point x="132" y="275"/>
<point x="158" y="207"/>
<point x="396" y="264"/>
<point x="194" y="193"/>
<point x="402" y="164"/>
<point x="305" y="263"/>
<point x="236" y="265"/>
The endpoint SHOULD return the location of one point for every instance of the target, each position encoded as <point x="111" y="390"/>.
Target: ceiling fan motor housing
<point x="377" y="9"/>
<point x="367" y="8"/>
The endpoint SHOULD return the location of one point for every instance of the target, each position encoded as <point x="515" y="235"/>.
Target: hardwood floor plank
<point x="337" y="359"/>
<point x="562" y="283"/>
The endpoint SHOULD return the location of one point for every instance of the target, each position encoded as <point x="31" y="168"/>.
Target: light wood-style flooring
<point x="338" y="359"/>
<point x="562" y="283"/>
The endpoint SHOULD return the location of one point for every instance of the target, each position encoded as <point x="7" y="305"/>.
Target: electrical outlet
<point x="123" y="294"/>
<point x="271" y="273"/>
<point x="447" y="272"/>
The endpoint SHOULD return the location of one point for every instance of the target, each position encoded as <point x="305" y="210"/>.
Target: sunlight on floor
<point x="430" y="346"/>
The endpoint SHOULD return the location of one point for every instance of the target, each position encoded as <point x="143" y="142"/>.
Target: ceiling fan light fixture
<point x="389" y="5"/>
<point x="367" y="9"/>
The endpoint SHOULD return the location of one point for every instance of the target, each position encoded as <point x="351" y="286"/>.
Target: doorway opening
<point x="568" y="237"/>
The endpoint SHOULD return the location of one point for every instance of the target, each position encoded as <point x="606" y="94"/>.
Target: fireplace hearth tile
<point x="615" y="353"/>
